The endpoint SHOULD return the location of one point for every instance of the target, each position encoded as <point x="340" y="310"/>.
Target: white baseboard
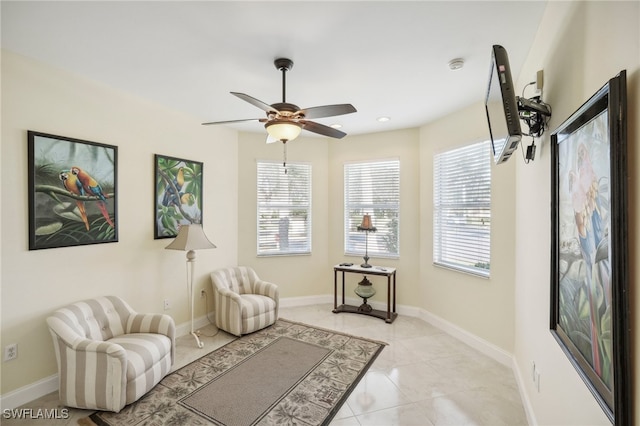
<point x="47" y="385"/>
<point x="487" y="348"/>
<point x="29" y="392"/>
<point x="293" y="302"/>
<point x="526" y="402"/>
<point x="185" y="328"/>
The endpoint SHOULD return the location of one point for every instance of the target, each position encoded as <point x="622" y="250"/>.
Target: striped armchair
<point x="243" y="302"/>
<point x="108" y="355"/>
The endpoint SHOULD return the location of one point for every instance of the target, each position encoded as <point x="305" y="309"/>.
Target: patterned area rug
<point x="289" y="373"/>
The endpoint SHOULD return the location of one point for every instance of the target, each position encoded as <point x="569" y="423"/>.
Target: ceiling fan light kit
<point x="285" y="121"/>
<point x="283" y="130"/>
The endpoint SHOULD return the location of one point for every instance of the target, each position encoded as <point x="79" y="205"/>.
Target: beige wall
<point x="580" y="45"/>
<point x="401" y="145"/>
<point x="300" y="275"/>
<point x="137" y="268"/>
<point x="478" y="305"/>
<point x="312" y="275"/>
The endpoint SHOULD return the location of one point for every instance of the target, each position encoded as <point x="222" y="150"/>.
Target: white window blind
<point x="462" y="208"/>
<point x="284" y="208"/>
<point x="372" y="188"/>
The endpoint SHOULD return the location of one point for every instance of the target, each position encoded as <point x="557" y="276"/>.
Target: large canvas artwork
<point x="178" y="195"/>
<point x="589" y="311"/>
<point x="72" y="191"/>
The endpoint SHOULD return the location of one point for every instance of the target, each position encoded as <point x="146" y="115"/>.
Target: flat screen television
<point x="502" y="107"/>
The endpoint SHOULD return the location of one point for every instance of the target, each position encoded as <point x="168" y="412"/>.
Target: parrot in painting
<point x="170" y="197"/>
<point x="73" y="185"/>
<point x="92" y="187"/>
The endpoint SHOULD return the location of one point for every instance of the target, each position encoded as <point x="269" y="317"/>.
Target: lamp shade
<point x="190" y="237"/>
<point x="283" y="130"/>
<point x="366" y="224"/>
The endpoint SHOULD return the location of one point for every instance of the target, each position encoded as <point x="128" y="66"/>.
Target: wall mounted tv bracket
<point x="535" y="114"/>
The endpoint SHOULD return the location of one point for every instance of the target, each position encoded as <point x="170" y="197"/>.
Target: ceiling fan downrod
<point x="284" y="65"/>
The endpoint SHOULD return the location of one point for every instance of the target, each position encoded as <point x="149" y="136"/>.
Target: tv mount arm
<point x="535" y="114"/>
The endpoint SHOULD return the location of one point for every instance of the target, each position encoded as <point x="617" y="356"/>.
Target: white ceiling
<point x="387" y="58"/>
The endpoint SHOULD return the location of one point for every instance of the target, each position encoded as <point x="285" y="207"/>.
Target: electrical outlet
<point x="535" y="376"/>
<point x="11" y="352"/>
<point x="533" y="371"/>
<point x="540" y="80"/>
<point x="167" y="305"/>
<point x="203" y="294"/>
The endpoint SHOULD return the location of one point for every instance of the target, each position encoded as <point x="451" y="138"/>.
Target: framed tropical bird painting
<point x="72" y="186"/>
<point x="178" y="195"/>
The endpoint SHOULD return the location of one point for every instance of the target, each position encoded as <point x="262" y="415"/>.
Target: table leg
<point x="388" y="298"/>
<point x="343" y="287"/>
<point x="335" y="289"/>
<point x="394" y="291"/>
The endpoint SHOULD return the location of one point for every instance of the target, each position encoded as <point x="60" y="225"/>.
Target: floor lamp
<point x="191" y="238"/>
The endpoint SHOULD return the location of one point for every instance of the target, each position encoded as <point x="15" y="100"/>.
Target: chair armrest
<point x="154" y="323"/>
<point x="151" y="323"/>
<point x="228" y="310"/>
<point x="112" y="350"/>
<point x="266" y="288"/>
<point x="225" y="292"/>
<point x="74" y="356"/>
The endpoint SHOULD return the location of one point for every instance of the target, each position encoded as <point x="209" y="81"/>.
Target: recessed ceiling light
<point x="456" y="64"/>
<point x="383" y="119"/>
<point x="336" y="126"/>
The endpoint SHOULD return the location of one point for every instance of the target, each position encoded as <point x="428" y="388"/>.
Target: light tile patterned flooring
<point x="423" y="377"/>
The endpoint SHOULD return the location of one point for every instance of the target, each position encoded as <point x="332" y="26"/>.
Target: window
<point x="284" y="208"/>
<point x="372" y="188"/>
<point x="462" y="208"/>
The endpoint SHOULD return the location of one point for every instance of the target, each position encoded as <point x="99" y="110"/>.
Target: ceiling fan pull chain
<point x="284" y="159"/>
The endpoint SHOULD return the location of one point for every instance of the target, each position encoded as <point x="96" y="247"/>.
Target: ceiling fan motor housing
<point x="288" y="108"/>
<point x="283" y="64"/>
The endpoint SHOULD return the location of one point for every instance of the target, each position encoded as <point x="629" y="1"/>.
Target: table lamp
<point x="367" y="227"/>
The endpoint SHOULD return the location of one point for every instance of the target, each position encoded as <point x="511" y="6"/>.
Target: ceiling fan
<point x="285" y="121"/>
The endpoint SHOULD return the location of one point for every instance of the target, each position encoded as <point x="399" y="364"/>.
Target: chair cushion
<point x="255" y="304"/>
<point x="144" y="350"/>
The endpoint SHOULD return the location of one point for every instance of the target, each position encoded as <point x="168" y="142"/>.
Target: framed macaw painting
<point x="72" y="187"/>
<point x="589" y="247"/>
<point x="178" y="195"/>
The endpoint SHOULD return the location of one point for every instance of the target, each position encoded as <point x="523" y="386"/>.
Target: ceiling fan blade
<point x="255" y="102"/>
<point x="321" y="129"/>
<point x="328" y="110"/>
<point x="231" y="121"/>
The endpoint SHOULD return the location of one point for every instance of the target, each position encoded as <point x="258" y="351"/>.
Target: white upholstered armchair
<point x="243" y="302"/>
<point x="108" y="355"/>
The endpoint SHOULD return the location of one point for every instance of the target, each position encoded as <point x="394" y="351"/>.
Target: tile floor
<point x="423" y="377"/>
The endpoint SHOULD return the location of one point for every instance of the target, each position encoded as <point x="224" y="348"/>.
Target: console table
<point x="390" y="315"/>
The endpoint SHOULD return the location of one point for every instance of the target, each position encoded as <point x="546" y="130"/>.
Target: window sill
<point x="468" y="271"/>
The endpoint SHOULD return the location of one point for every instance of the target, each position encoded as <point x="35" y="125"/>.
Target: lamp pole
<point x="191" y="264"/>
